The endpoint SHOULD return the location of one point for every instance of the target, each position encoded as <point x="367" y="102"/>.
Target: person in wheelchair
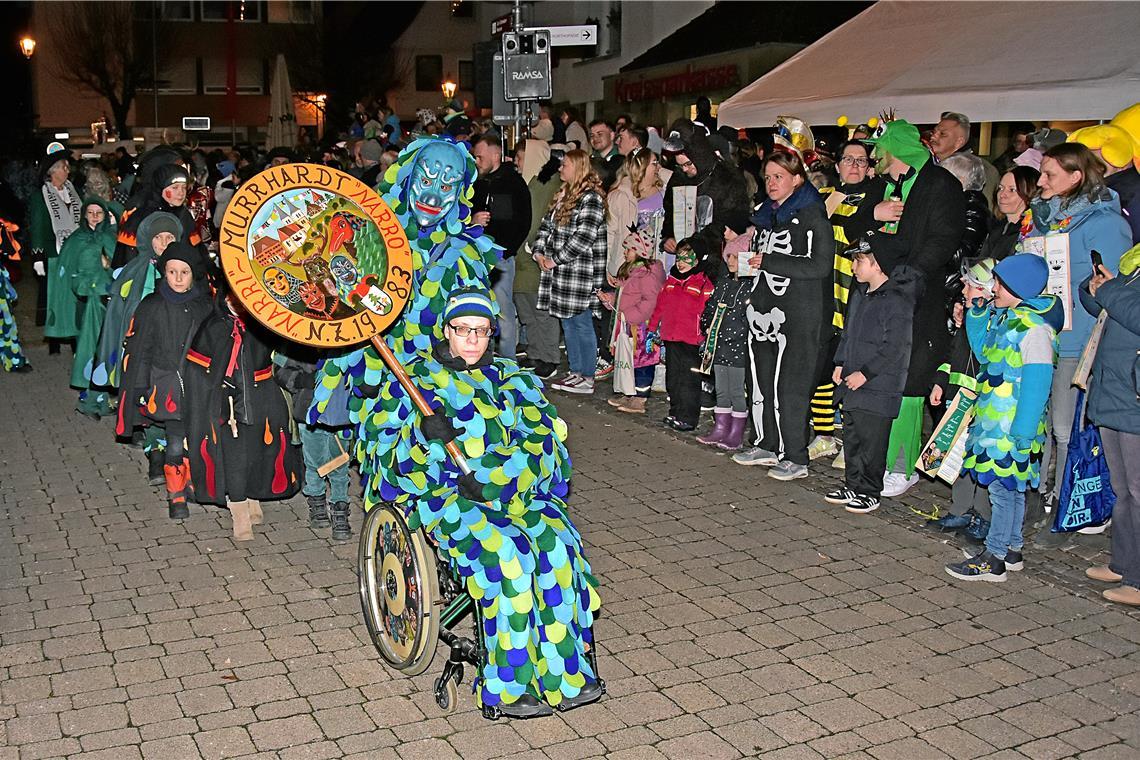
<point x="503" y="527"/>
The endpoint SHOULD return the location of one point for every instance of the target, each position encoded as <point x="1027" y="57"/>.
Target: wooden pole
<point x="417" y="398"/>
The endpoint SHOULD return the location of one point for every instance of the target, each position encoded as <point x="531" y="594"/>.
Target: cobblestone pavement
<point x="742" y="617"/>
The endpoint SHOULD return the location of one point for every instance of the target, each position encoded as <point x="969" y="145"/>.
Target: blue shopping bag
<point x="1086" y="496"/>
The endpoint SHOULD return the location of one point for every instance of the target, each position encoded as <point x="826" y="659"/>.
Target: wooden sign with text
<point x="316" y="255"/>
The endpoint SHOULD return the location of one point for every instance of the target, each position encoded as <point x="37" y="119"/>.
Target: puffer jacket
<point x="1114" y="388"/>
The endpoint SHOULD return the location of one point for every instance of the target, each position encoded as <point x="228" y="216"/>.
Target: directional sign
<point x="501" y="24"/>
<point x="563" y="36"/>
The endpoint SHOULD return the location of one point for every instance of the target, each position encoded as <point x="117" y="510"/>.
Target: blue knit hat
<point x="471" y="302"/>
<point x="1024" y="275"/>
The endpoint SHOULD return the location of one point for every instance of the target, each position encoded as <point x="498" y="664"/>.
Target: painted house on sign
<point x="292" y="236"/>
<point x="268" y="250"/>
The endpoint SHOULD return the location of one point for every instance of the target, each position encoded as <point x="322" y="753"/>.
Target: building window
<point x="218" y="10"/>
<point x="250" y="76"/>
<point x="291" y="11"/>
<point x="179" y="76"/>
<point x="176" y="10"/>
<point x="466" y="75"/>
<point x="429" y="72"/>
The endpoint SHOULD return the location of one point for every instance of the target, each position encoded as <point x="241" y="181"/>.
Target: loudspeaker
<point x="526" y="65"/>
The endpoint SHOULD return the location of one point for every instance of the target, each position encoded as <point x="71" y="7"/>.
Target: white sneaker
<point x="565" y="380"/>
<point x="822" y="446"/>
<point x="580" y="385"/>
<point x="1093" y="530"/>
<point x="896" y="484"/>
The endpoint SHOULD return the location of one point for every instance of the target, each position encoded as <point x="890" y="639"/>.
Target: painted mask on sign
<point x="312" y="296"/>
<point x="436" y="179"/>
<point x="344" y="270"/>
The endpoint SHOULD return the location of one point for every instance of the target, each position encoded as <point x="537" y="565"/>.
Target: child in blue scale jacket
<point x="1014" y="338"/>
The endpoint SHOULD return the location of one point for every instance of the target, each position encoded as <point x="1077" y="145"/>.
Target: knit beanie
<point x="180" y="251"/>
<point x="170" y="174"/>
<point x="640" y="243"/>
<point x="154" y="223"/>
<point x="980" y="274"/>
<point x="470" y="302"/>
<point x="1024" y="275"/>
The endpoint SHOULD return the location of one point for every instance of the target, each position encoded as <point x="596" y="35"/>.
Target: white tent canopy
<point x="994" y="61"/>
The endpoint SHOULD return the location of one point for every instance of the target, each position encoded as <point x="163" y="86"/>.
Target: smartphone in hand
<point x="1097" y="262"/>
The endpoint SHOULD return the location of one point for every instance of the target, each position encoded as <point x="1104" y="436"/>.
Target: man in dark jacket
<point x="721" y="194"/>
<point x="871" y="364"/>
<point x="924" y="237"/>
<point x="502" y="209"/>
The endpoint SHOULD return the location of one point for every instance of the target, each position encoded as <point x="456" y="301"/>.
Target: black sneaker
<point x="983" y="567"/>
<point x="862" y="504"/>
<point x="545" y="370"/>
<point x="839" y="496"/>
<point x="526" y="706"/>
<point x="1014" y="561"/>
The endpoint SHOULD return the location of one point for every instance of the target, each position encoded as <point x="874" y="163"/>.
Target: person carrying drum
<point x="504" y="526"/>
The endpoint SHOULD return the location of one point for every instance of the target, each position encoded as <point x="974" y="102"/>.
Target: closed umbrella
<point x="282" y="119"/>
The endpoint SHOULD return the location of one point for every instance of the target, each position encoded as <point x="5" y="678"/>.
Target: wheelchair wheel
<point x="399" y="590"/>
<point x="446" y="694"/>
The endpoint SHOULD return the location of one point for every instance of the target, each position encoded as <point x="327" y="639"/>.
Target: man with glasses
<point x="850" y="218"/>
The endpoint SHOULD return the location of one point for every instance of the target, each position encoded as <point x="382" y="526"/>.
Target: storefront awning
<point x="998" y="61"/>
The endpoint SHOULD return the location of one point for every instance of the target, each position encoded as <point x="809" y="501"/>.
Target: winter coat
<point x="1126" y="184"/>
<point x="526" y="268"/>
<point x="1000" y="241"/>
<point x="1098" y="226"/>
<point x="999" y="339"/>
<point x="722" y="185"/>
<point x="295" y="369"/>
<point x="927" y="238"/>
<point x="732" y="293"/>
<point x="677" y="315"/>
<point x="621" y="219"/>
<point x="579" y="251"/>
<point x="1114" y="388"/>
<point x="235" y="414"/>
<point x="152" y="385"/>
<point x="876" y="342"/>
<point x="82" y="251"/>
<point x="978" y="222"/>
<point x="505" y="195"/>
<point x="640" y="291"/>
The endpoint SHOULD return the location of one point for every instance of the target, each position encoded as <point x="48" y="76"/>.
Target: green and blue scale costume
<point x="519" y="555"/>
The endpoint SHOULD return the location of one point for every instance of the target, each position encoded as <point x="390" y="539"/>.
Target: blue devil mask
<point x="435" y="182"/>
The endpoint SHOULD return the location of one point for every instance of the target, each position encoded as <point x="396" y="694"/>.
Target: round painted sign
<point x="315" y="255"/>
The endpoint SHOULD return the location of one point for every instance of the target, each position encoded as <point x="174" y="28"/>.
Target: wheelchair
<point x="412" y="599"/>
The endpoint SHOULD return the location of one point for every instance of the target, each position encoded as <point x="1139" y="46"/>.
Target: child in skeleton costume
<point x="152" y="390"/>
<point x="789" y="315"/>
<point x="503" y="527"/>
<point x="429" y="188"/>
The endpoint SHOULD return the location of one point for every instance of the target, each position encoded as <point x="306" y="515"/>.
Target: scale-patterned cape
<point x="445" y="258"/>
<point x="11" y="356"/>
<point x="990" y="453"/>
<point x="520" y="555"/>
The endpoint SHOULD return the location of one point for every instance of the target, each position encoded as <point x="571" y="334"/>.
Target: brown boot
<point x="1104" y="574"/>
<point x="633" y="405"/>
<point x="1129" y="595"/>
<point x="255" y="513"/>
<point x="239" y="513"/>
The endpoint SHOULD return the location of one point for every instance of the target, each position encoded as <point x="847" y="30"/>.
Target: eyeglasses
<point x="683" y="166"/>
<point x="852" y="161"/>
<point x="463" y="330"/>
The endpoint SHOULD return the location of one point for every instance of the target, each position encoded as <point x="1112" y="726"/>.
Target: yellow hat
<point x="1116" y="146"/>
<point x="1129" y="121"/>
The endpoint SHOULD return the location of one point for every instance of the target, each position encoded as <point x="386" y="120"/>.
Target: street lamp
<point x="27" y="46"/>
<point x="448" y="88"/>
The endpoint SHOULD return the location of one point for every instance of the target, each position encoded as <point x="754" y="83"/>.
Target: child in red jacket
<point x="677" y="319"/>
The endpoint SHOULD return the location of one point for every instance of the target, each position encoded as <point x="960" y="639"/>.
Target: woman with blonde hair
<point x="571" y="253"/>
<point x="637" y="198"/>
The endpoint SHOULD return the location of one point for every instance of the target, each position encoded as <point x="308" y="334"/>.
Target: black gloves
<point x="470" y="488"/>
<point x="438" y="428"/>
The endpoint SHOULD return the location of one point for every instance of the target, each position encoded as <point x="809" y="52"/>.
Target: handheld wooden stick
<point x="397" y="369"/>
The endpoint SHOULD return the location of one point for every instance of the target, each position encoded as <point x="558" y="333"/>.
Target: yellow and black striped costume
<point x="849" y="219"/>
